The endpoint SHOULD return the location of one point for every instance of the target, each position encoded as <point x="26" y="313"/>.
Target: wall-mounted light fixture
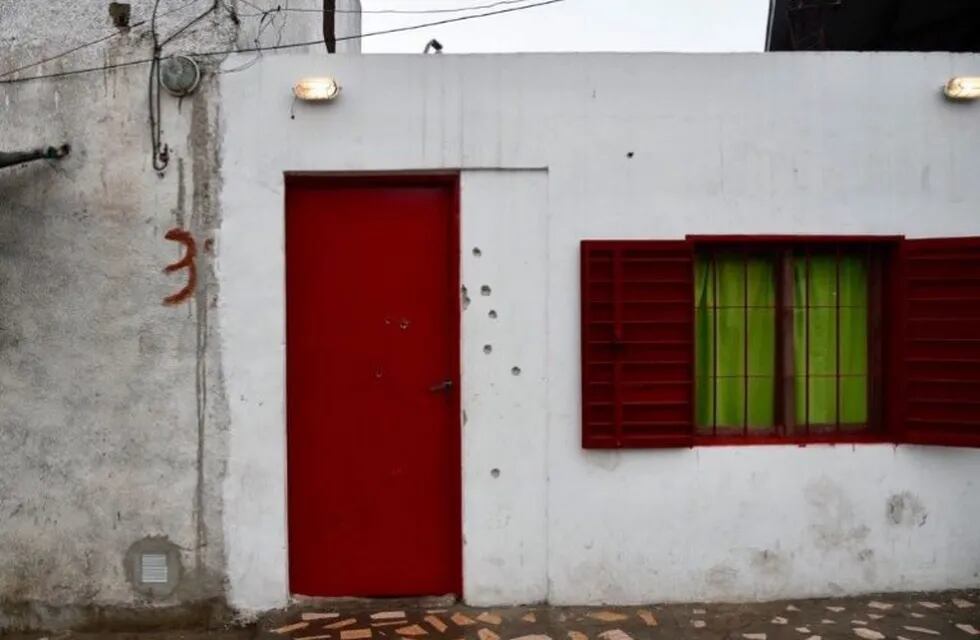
<point x="316" y="89"/>
<point x="962" y="88"/>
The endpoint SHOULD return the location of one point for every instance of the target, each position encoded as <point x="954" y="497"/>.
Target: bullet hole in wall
<point x="476" y="252"/>
<point x="488" y="348"/>
<point x="492" y="314"/>
<point x="465" y="296"/>
<point x="629" y="154"/>
<point x="485" y="290"/>
<point x="495" y="473"/>
<point x="516" y="371"/>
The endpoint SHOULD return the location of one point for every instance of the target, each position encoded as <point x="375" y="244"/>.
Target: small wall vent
<point x="153" y="568"/>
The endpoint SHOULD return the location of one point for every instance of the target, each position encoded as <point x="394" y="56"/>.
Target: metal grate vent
<point x="153" y="568"/>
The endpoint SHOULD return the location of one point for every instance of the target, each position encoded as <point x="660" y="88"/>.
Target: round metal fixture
<point x="179" y="75"/>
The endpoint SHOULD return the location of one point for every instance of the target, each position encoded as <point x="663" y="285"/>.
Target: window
<point x="780" y="340"/>
<point x="783" y="340"/>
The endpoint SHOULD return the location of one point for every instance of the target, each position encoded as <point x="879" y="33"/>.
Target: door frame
<point x="451" y="181"/>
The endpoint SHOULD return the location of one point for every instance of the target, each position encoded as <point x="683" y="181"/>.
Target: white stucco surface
<point x="795" y="143"/>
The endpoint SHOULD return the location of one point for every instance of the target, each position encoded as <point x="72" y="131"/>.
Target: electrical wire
<point x="190" y="23"/>
<point x="158" y="151"/>
<point x="109" y="36"/>
<point x="290" y="45"/>
<point x="235" y="16"/>
<point x="475" y="7"/>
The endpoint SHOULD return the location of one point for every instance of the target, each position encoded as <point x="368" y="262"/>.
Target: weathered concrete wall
<point x="556" y="148"/>
<point x="113" y="417"/>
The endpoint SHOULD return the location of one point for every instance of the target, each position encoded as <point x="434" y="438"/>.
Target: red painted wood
<point x="939" y="387"/>
<point x="637" y="344"/>
<point x="372" y="325"/>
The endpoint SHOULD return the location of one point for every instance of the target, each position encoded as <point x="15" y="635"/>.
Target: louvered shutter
<point x="940" y="360"/>
<point x="637" y="344"/>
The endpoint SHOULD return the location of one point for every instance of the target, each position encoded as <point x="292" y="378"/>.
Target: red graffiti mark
<point x="187" y="262"/>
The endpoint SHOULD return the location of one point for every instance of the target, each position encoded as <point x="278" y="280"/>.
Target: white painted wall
<point x="778" y="143"/>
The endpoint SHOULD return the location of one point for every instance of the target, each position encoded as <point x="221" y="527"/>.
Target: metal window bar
<point x="714" y="345"/>
<point x="837" y="295"/>
<point x="745" y="343"/>
<point x="806" y="346"/>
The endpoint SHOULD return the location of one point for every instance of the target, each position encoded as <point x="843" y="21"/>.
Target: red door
<point x="372" y="344"/>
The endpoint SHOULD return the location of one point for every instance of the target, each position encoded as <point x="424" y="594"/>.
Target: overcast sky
<point x="577" y="25"/>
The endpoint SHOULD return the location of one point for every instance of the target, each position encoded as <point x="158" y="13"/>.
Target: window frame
<point x="888" y="399"/>
<point x="876" y="430"/>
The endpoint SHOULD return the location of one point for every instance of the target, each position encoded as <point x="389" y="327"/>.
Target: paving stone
<point x="486" y="634"/>
<point x="813" y="638"/>
<point x="859" y="622"/>
<point x="436" y="623"/>
<point x="647" y="617"/>
<point x="962" y="604"/>
<point x="931" y="632"/>
<point x="835" y="609"/>
<point x="577" y="635"/>
<point x="355" y="634"/>
<point x="930" y="605"/>
<point x="754" y="636"/>
<point x="917" y="615"/>
<point x="968" y="628"/>
<point x="412" y="631"/>
<point x="875" y="616"/>
<point x="312" y="615"/>
<point x="779" y="620"/>
<point x="699" y="624"/>
<point x="607" y="616"/>
<point x="868" y="634"/>
<point x="538" y="636"/>
<point x="289" y="628"/>
<point x="792" y="607"/>
<point x="698" y="612"/>
<point x="387" y="615"/>
<point x="489" y="618"/>
<point x="803" y="629"/>
<point x="828" y="621"/>
<point x="529" y="617"/>
<point x="461" y="620"/>
<point x="615" y="634"/>
<point x="321" y="637"/>
<point x="340" y="624"/>
<point x="884" y="606"/>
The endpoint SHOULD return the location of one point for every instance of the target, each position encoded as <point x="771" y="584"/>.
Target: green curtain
<point x="819" y="339"/>
<point x="735" y="318"/>
<point x="726" y="397"/>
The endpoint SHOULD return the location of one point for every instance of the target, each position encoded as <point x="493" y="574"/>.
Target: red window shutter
<point x="940" y="363"/>
<point x="637" y="344"/>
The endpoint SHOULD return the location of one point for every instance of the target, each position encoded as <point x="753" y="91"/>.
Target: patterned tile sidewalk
<point x="953" y="615"/>
<point x="924" y="616"/>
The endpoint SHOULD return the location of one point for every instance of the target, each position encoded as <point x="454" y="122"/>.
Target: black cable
<point x="291" y="45"/>
<point x="475" y="7"/>
<point x="158" y="151"/>
<point x="109" y="36"/>
<point x="190" y="23"/>
<point x="235" y="16"/>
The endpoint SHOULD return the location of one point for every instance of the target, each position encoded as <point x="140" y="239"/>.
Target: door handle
<point x="445" y="385"/>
